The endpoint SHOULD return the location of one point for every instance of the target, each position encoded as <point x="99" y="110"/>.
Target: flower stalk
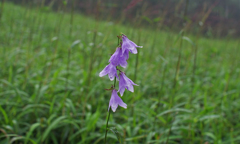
<point x="109" y="112"/>
<point x="119" y="58"/>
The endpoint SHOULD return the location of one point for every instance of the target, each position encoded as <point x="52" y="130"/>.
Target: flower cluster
<point x="119" y="58"/>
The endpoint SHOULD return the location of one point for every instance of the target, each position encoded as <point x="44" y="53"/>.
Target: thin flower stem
<point x="114" y="82"/>
<point x="118" y="41"/>
<point x="121" y="71"/>
<point x="109" y="111"/>
<point x="107" y="127"/>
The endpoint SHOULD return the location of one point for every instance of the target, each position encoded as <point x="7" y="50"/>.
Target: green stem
<point x="107" y="126"/>
<point x="109" y="111"/>
<point x="114" y="81"/>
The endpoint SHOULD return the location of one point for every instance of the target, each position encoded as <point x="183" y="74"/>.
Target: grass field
<point x="50" y="91"/>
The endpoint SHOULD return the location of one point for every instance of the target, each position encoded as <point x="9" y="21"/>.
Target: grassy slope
<point x="42" y="98"/>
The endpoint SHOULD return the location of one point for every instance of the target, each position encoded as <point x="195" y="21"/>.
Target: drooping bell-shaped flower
<point x="118" y="59"/>
<point x="115" y="101"/>
<point x="111" y="70"/>
<point x="128" y="45"/>
<point x="125" y="82"/>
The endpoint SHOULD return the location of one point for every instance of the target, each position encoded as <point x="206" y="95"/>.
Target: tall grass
<point x="47" y="96"/>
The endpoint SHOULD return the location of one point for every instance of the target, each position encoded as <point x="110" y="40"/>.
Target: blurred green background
<point x="188" y="71"/>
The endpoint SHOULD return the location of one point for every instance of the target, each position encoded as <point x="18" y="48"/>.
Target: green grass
<point x="50" y="91"/>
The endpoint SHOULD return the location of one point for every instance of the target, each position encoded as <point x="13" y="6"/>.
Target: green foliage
<point x="50" y="91"/>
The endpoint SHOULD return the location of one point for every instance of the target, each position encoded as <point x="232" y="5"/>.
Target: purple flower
<point x="125" y="82"/>
<point x="111" y="70"/>
<point x="115" y="101"/>
<point x="128" y="45"/>
<point x="118" y="59"/>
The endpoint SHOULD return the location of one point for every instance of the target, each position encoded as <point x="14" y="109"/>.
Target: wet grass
<point x="50" y="91"/>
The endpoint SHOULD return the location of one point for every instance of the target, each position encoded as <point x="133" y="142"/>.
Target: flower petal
<point x="115" y="101"/>
<point x="133" y="50"/>
<point x="104" y="71"/>
<point x="118" y="59"/>
<point x="111" y="70"/>
<point x="126" y="54"/>
<point x="130" y="87"/>
<point x="122" y="84"/>
<point x="123" y="63"/>
<point x="121" y="90"/>
<point x="129" y="45"/>
<point x="125" y="82"/>
<point x="114" y="57"/>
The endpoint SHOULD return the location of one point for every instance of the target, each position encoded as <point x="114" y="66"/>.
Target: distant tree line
<point x="208" y="17"/>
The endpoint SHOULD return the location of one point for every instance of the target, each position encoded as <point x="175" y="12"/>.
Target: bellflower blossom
<point x="111" y="70"/>
<point x="115" y="101"/>
<point x="125" y="82"/>
<point x="128" y="45"/>
<point x="118" y="59"/>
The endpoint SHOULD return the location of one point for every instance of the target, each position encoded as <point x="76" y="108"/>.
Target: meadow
<point x="51" y="92"/>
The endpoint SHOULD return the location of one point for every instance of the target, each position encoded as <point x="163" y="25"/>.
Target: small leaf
<point x="136" y="137"/>
<point x="174" y="110"/>
<point x="14" y="139"/>
<point x="78" y="133"/>
<point x="52" y="126"/>
<point x="75" y="43"/>
<point x="32" y="128"/>
<point x="211" y="135"/>
<point x="189" y="40"/>
<point x="54" y="39"/>
<point x="115" y="131"/>
<point x="147" y="19"/>
<point x="209" y="117"/>
<point x="4" y="114"/>
<point x="178" y="36"/>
